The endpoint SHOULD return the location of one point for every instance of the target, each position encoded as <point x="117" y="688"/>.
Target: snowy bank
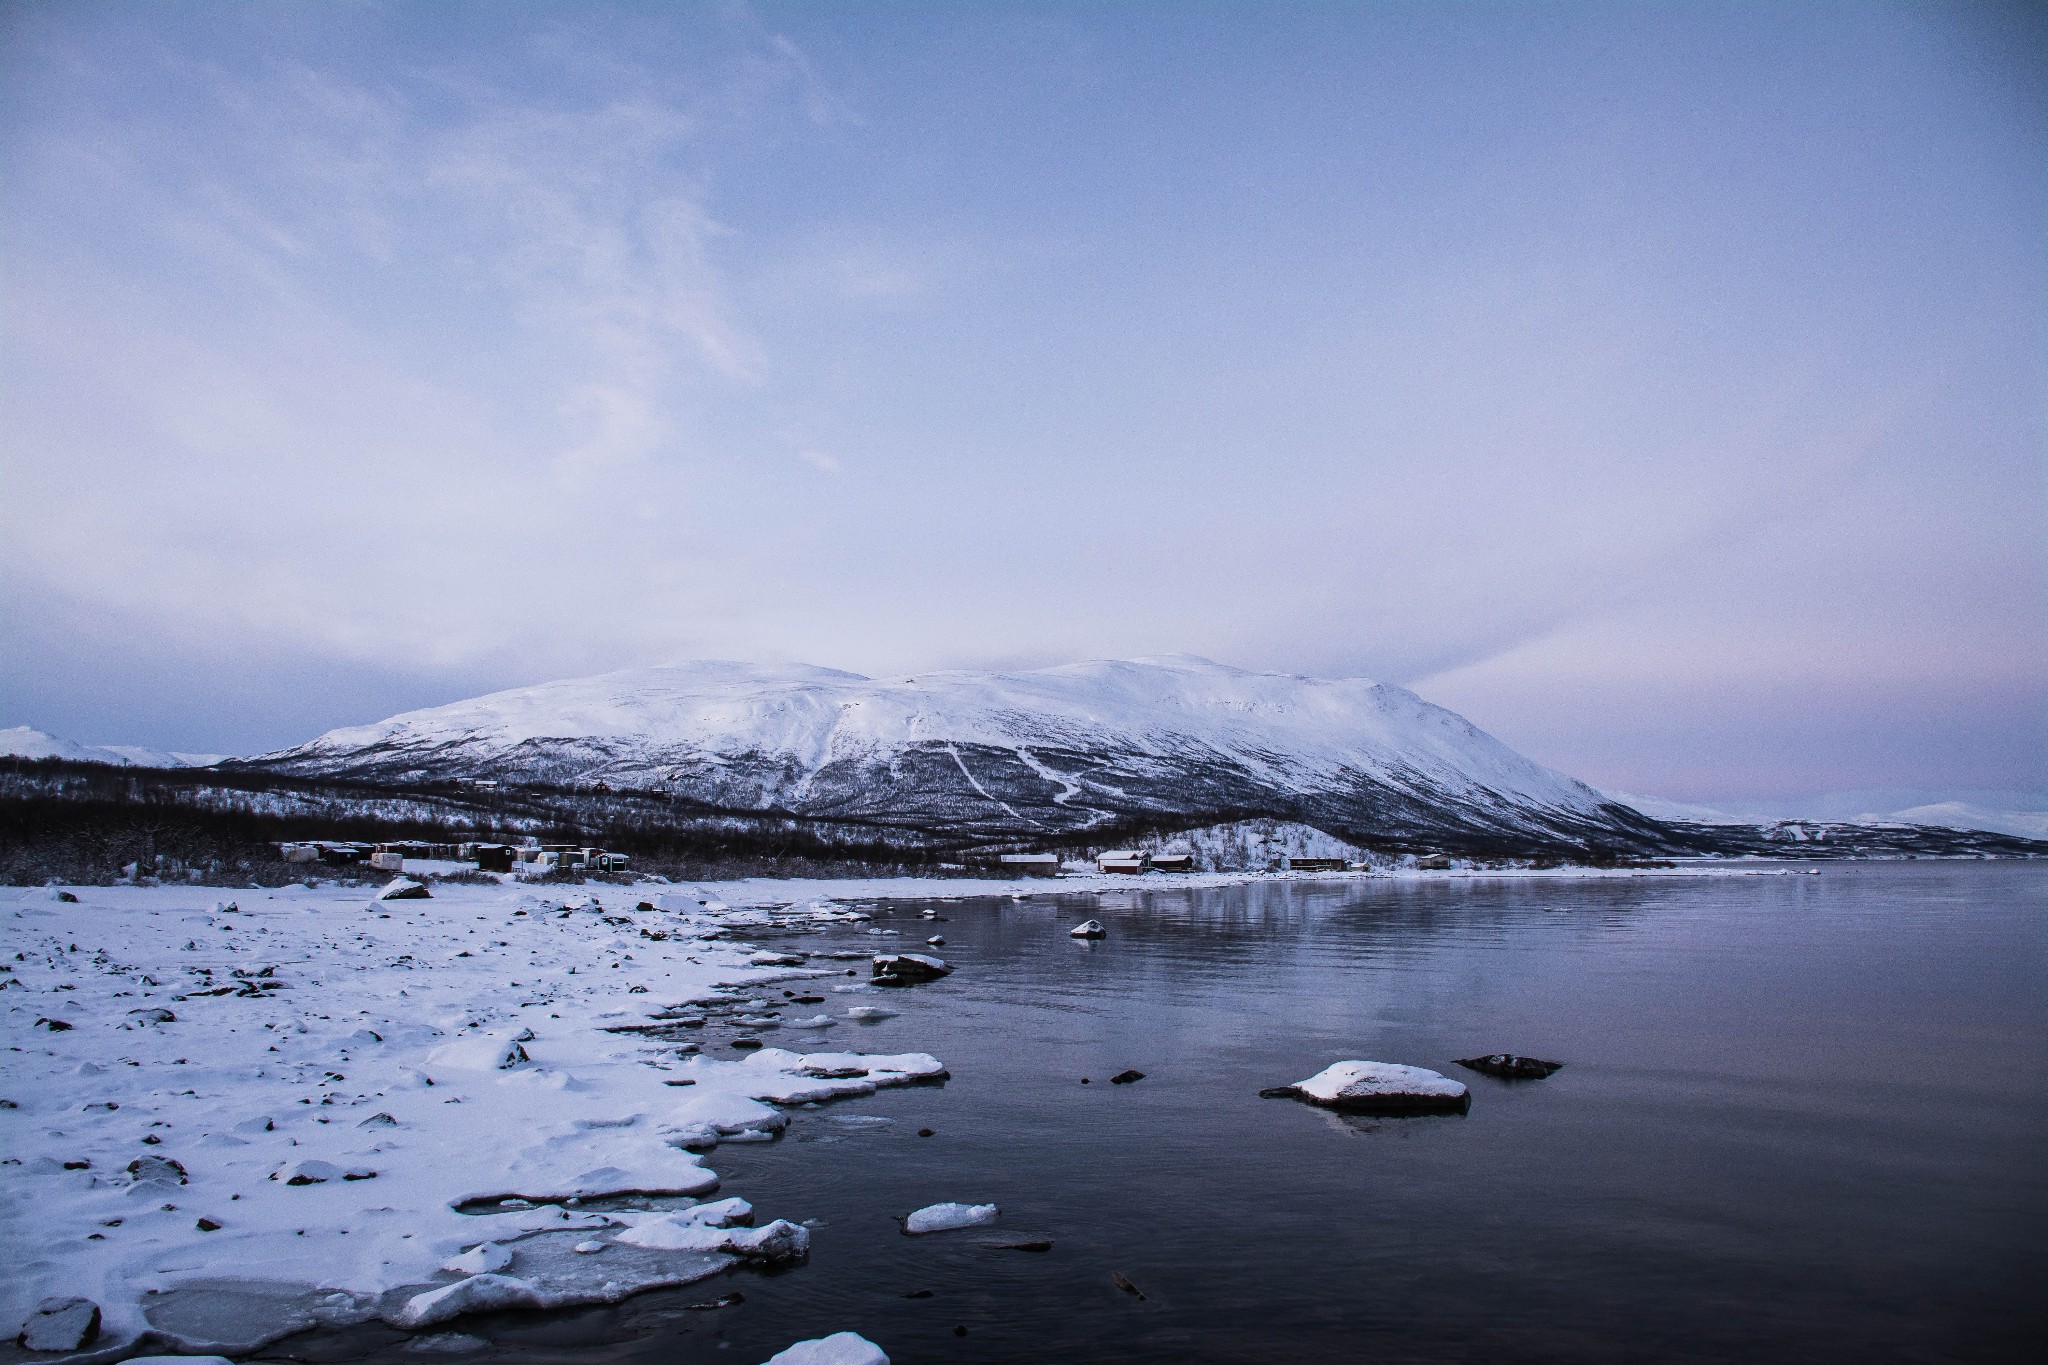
<point x="227" y="1121"/>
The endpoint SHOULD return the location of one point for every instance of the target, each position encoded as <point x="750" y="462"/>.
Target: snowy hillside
<point x="23" y="741"/>
<point x="1046" y="753"/>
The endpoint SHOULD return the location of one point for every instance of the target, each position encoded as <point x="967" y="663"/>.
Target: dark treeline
<point x="83" y="823"/>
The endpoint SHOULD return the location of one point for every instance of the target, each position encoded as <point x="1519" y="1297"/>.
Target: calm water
<point x="1802" y="1118"/>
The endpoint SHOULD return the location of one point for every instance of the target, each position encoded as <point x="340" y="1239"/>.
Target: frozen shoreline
<point x="333" y="1097"/>
<point x="348" y="1089"/>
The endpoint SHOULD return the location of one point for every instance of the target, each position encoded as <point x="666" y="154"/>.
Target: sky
<point x="1661" y="386"/>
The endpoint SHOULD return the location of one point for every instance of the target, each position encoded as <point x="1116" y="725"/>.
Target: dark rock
<point x="378" y="1121"/>
<point x="153" y="1015"/>
<point x="1281" y="1092"/>
<point x="207" y="1225"/>
<point x="1126" y="1077"/>
<point x="53" y="1025"/>
<point x="1508" y="1067"/>
<point x="60" y="1324"/>
<point x="745" y="1044"/>
<point x="67" y="898"/>
<point x="959" y="1330"/>
<point x="918" y="1294"/>
<point x="926" y="1132"/>
<point x="1117" y="1278"/>
<point x="1028" y="1244"/>
<point x="78" y="1165"/>
<point x="808" y="999"/>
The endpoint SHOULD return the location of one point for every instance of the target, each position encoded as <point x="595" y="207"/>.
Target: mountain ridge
<point x="1005" y="755"/>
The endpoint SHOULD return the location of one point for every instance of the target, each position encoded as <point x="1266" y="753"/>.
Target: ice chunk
<point x="870" y="1014"/>
<point x="476" y="1294"/>
<point x="841" y="1348"/>
<point x="482" y="1259"/>
<point x="945" y="1217"/>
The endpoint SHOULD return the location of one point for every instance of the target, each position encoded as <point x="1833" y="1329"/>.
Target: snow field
<point x="386" y="1108"/>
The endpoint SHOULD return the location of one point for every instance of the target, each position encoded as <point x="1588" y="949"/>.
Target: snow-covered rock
<point x="1088" y="929"/>
<point x="61" y="1324"/>
<point x="841" y="1348"/>
<point x="403" y="889"/>
<point x="897" y="969"/>
<point x="1379" y="1088"/>
<point x="946" y="1217"/>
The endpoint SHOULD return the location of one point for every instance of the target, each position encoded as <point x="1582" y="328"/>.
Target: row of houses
<point x="529" y="857"/>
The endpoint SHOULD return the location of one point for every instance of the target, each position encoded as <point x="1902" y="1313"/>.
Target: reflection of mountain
<point x="1046" y="755"/>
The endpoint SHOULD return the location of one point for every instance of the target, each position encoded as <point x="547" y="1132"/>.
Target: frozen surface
<point x="375" y="1108"/>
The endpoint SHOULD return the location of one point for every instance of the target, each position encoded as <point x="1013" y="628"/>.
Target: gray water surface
<point x="1802" y="1118"/>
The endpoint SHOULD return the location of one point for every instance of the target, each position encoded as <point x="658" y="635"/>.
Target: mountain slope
<point x="1028" y="755"/>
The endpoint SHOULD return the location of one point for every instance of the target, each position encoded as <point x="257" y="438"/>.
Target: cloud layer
<point x="1658" y="388"/>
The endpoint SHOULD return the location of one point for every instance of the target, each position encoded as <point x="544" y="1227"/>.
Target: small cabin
<point x="1173" y="862"/>
<point x="1030" y="864"/>
<point x="1125" y="860"/>
<point x="1294" y="864"/>
<point x="492" y="857"/>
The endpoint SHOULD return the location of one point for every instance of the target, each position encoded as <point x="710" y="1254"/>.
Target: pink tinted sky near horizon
<point x="1660" y="387"/>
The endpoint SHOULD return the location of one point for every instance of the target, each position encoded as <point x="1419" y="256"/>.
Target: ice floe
<point x="946" y="1217"/>
<point x="841" y="1348"/>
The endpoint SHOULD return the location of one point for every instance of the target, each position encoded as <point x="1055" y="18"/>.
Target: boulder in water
<point x="902" y="969"/>
<point x="1387" y="1088"/>
<point x="1088" y="929"/>
<point x="1509" y="1067"/>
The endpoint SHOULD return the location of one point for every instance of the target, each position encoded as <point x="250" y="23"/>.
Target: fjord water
<point x="1801" y="1118"/>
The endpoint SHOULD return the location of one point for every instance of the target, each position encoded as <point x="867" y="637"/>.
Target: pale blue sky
<point x="1659" y="385"/>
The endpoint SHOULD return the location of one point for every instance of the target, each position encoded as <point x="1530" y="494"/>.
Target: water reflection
<point x="1800" y="1118"/>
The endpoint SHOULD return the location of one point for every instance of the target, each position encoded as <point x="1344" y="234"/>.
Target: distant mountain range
<point x="1050" y="757"/>
<point x="24" y="742"/>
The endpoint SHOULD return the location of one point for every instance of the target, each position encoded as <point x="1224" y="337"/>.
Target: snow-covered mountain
<point x="24" y="741"/>
<point x="1037" y="754"/>
<point x="2007" y="815"/>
